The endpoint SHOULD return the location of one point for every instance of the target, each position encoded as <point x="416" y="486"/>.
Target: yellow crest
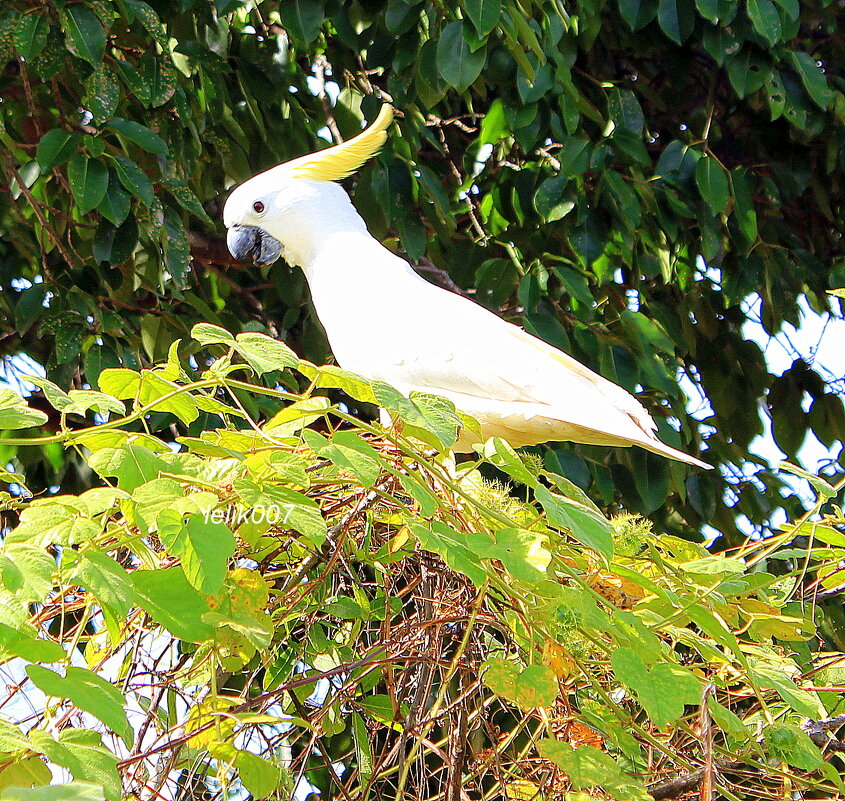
<point x="337" y="162"/>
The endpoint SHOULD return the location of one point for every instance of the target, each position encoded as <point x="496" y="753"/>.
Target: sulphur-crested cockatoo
<point x="385" y="322"/>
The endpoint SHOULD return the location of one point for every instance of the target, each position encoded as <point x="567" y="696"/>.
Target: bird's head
<point x="273" y="211"/>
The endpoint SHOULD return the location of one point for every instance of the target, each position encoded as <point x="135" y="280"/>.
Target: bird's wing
<point x="467" y="350"/>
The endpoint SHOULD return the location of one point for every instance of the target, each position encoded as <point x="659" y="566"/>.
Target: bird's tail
<point x="661" y="448"/>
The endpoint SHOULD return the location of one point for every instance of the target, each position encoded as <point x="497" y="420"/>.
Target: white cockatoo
<point x="385" y="322"/>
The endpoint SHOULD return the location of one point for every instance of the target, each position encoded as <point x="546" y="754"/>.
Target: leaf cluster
<point x="296" y="596"/>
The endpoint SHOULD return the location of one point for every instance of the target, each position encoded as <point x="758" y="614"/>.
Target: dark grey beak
<point x="246" y="242"/>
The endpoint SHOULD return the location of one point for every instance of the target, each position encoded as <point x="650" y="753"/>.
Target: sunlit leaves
<point x="587" y="766"/>
<point x="787" y="742"/>
<point x="74" y="791"/>
<point x="88" y="691"/>
<point x="531" y="687"/>
<point x="26" y="571"/>
<point x="160" y="552"/>
<point x="637" y="198"/>
<point x="261" y="352"/>
<point x="171" y="601"/>
<point x="260" y="776"/>
<point x="82" y="752"/>
<point x="107" y="580"/>
<point x="203" y="546"/>
<point x="14" y="412"/>
<point x="663" y="689"/>
<point x="584" y="523"/>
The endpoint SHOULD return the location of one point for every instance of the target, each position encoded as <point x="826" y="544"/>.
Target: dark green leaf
<point x="185" y="198"/>
<point x="638" y="13"/>
<point x="712" y="182"/>
<point x="85" y="35"/>
<point x="457" y="63"/>
<point x="140" y="135"/>
<point x="550" y="200"/>
<point x="484" y="14"/>
<point x="575" y="155"/>
<point x="114" y="245"/>
<point x="55" y="148"/>
<point x="743" y="210"/>
<point x="101" y="94"/>
<point x="302" y="19"/>
<point x="134" y="179"/>
<point x="89" y="181"/>
<point x="814" y="80"/>
<point x="765" y="19"/>
<point x="747" y="71"/>
<point x="158" y="78"/>
<point x="115" y="205"/>
<point x="150" y="20"/>
<point x="31" y="35"/>
<point x="625" y="111"/>
<point x="676" y="19"/>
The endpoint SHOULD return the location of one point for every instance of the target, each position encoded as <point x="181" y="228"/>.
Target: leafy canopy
<point x="573" y="167"/>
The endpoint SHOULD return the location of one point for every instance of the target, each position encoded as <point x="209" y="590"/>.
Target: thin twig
<point x="321" y="67"/>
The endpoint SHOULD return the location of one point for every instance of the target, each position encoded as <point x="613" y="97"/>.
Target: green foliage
<point x="293" y="589"/>
<point x="630" y="139"/>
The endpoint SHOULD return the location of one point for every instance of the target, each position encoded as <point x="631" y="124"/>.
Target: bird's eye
<point x="258" y="207"/>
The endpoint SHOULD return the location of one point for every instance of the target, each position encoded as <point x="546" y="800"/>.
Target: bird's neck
<point x="311" y="228"/>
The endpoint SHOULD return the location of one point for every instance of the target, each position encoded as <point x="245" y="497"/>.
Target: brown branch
<point x="27" y="87"/>
<point x="818" y="731"/>
<point x="708" y="783"/>
<point x="677" y="786"/>
<point x="321" y="66"/>
<point x="425" y="265"/>
<point x="211" y="249"/>
<point x="36" y="207"/>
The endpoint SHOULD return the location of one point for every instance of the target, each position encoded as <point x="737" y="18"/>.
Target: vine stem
<point x="441" y="695"/>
